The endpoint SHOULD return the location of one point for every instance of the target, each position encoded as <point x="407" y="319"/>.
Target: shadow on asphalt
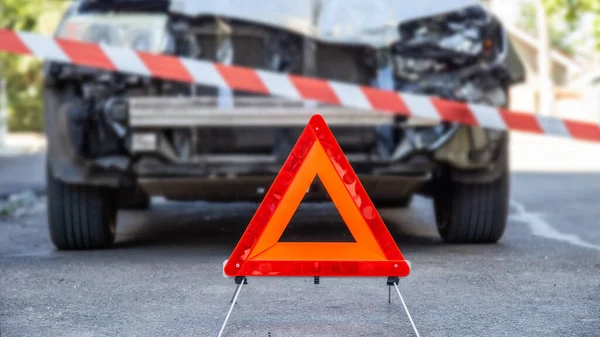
<point x="222" y="224"/>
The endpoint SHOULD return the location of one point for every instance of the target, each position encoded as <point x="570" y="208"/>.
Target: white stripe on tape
<point x="553" y="126"/>
<point x="350" y="95"/>
<point x="204" y="73"/>
<point x="420" y="106"/>
<point x="44" y="47"/>
<point x="488" y="116"/>
<point x="279" y="84"/>
<point x="126" y="60"/>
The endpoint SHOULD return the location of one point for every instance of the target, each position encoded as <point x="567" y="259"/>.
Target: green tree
<point x="572" y="11"/>
<point x="559" y="36"/>
<point x="24" y="74"/>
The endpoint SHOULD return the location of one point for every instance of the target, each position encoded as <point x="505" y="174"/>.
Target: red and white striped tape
<point x="285" y="85"/>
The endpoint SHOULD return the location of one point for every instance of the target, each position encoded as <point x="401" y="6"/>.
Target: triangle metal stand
<point x="241" y="280"/>
<point x="394" y="281"/>
<point x="406" y="310"/>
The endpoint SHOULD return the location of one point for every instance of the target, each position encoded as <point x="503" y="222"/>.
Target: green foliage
<point x="571" y="11"/>
<point x="24" y="74"/>
<point x="564" y="17"/>
<point x="559" y="34"/>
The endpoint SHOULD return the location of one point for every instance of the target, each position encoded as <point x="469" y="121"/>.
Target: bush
<point x="24" y="74"/>
<point x="24" y="79"/>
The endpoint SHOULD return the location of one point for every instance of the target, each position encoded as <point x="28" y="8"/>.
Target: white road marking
<point x="539" y="227"/>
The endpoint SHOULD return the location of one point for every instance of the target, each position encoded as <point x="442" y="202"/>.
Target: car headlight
<point x="141" y="32"/>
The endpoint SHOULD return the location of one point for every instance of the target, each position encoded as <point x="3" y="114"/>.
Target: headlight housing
<point x="445" y="43"/>
<point x="145" y="32"/>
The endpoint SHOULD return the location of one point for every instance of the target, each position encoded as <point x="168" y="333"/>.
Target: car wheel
<point x="472" y="213"/>
<point x="80" y="217"/>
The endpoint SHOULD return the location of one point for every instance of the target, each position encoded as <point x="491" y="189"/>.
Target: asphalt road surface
<point x="164" y="277"/>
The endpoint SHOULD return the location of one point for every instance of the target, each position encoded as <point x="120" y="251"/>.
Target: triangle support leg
<point x="391" y="280"/>
<point x="238" y="289"/>
<point x="407" y="312"/>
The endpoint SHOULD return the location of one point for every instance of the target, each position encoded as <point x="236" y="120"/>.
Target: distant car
<point x="116" y="139"/>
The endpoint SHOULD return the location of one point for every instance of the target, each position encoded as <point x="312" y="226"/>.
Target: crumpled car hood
<point x="364" y="22"/>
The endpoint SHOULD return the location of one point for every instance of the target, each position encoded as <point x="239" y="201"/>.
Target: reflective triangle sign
<point x="259" y="252"/>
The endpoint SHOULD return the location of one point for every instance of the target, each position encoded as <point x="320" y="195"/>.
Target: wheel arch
<point x="63" y="160"/>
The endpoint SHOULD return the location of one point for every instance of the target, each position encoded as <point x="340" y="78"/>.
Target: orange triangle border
<point x="375" y="253"/>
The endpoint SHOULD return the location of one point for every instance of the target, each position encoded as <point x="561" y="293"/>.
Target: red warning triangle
<point x="259" y="252"/>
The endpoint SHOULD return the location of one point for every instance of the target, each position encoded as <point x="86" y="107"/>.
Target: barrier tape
<point x="290" y="86"/>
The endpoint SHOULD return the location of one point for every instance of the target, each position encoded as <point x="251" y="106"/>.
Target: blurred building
<point x="563" y="70"/>
<point x="576" y="81"/>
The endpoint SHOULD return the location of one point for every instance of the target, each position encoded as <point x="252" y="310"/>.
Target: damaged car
<point x="115" y="139"/>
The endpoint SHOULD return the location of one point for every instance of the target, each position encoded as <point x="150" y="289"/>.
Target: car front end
<point x="120" y="132"/>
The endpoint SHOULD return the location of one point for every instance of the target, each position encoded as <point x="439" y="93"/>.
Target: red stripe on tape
<point x="521" y="121"/>
<point x="241" y="78"/>
<point x="166" y="67"/>
<point x="86" y="54"/>
<point x="385" y="100"/>
<point x="171" y="68"/>
<point x="11" y="42"/>
<point x="584" y="131"/>
<point x="454" y="111"/>
<point x="314" y="89"/>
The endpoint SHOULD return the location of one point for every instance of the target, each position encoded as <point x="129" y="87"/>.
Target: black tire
<point x="133" y="199"/>
<point x="472" y="213"/>
<point x="80" y="217"/>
